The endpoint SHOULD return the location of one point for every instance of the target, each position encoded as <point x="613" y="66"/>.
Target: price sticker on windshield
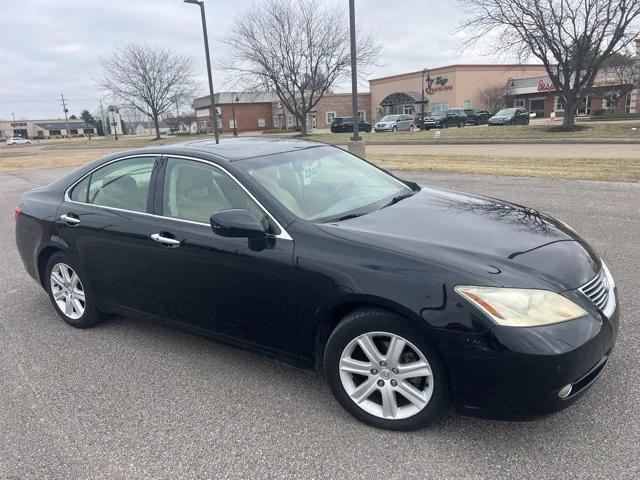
<point x="309" y="171"/>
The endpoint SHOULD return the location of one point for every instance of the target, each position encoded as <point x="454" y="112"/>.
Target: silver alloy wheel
<point x="67" y="291"/>
<point x="394" y="384"/>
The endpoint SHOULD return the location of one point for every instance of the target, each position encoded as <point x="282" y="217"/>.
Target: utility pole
<point x="64" y="109"/>
<point x="104" y="125"/>
<point x="14" y="117"/>
<point x="354" y="73"/>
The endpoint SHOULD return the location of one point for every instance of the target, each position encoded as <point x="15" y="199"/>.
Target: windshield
<point x="440" y="113"/>
<point x="324" y="183"/>
<point x="506" y="112"/>
<point x="389" y="118"/>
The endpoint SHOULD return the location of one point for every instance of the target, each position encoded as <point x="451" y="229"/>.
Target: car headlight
<point x="521" y="307"/>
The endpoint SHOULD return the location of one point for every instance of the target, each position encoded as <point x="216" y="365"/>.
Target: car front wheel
<point x="384" y="372"/>
<point x="70" y="292"/>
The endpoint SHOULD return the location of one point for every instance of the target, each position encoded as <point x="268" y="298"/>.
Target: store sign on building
<point x="440" y="86"/>
<point x="545" y="86"/>
<point x="18" y="124"/>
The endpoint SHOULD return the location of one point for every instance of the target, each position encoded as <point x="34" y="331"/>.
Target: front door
<point x="214" y="283"/>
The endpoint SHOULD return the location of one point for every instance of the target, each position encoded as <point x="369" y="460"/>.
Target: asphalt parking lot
<point x="134" y="399"/>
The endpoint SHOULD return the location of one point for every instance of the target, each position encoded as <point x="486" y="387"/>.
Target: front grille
<point x="597" y="290"/>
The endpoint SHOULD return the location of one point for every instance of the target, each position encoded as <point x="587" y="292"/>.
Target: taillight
<point x="17" y="211"/>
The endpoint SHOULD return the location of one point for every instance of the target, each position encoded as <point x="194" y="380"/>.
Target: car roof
<point x="233" y="149"/>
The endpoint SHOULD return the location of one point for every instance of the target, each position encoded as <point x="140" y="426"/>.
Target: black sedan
<point x="510" y="116"/>
<point x="345" y="124"/>
<point x="412" y="300"/>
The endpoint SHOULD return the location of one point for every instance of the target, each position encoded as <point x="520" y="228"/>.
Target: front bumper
<point x="386" y="128"/>
<point x="517" y="373"/>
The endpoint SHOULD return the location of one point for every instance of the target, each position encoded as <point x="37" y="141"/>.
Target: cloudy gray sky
<point x="51" y="47"/>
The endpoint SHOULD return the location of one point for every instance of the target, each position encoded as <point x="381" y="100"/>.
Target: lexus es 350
<point x="413" y="301"/>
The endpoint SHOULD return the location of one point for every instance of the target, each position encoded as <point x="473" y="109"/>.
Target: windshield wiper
<point x="397" y="198"/>
<point x="344" y="217"/>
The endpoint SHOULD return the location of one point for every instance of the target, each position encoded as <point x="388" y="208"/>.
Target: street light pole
<point x="354" y="73"/>
<point x="212" y="117"/>
<point x="14" y="117"/>
<point x="234" y="99"/>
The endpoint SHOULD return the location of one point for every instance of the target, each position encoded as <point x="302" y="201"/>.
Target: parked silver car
<point x="394" y="123"/>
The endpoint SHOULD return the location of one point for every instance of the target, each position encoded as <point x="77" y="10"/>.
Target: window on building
<point x="362" y="115"/>
<point x="232" y="124"/>
<point x="262" y="122"/>
<point x="627" y="104"/>
<point x="520" y="102"/>
<point x="219" y="122"/>
<point x="438" y="106"/>
<point x="329" y="116"/>
<point x="407" y="109"/>
<point x="609" y="101"/>
<point x="466" y="104"/>
<point x="290" y="120"/>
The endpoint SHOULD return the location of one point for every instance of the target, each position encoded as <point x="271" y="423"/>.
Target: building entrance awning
<point x="401" y="98"/>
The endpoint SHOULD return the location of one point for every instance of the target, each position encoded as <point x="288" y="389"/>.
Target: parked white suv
<point x="17" y="141"/>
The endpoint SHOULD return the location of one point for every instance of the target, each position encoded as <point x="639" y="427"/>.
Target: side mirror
<point x="237" y="223"/>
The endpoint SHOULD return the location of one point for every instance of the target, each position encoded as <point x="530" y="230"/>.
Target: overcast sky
<point x="50" y="47"/>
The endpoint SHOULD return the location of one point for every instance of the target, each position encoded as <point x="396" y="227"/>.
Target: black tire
<point x="91" y="315"/>
<point x="461" y="124"/>
<point x="394" y="129"/>
<point x="378" y="320"/>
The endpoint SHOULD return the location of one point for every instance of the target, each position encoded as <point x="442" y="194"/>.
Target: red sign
<point x="439" y="89"/>
<point x="545" y="86"/>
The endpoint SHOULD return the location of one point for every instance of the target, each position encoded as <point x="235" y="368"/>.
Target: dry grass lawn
<point x="613" y="170"/>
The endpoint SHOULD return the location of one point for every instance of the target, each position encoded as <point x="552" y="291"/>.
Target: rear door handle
<point x="172" y="242"/>
<point x="69" y="219"/>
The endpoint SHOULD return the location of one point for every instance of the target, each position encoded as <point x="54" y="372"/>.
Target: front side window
<point x="123" y="184"/>
<point x="194" y="191"/>
<point x="324" y="183"/>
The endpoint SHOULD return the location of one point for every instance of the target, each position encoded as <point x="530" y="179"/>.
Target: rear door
<point x="106" y="220"/>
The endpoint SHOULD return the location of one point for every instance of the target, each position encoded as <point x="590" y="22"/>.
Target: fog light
<point x="565" y="391"/>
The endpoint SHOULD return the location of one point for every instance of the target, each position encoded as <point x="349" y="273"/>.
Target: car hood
<point x="512" y="245"/>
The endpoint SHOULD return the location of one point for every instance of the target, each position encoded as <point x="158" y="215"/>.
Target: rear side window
<point x="80" y="191"/>
<point x="123" y="184"/>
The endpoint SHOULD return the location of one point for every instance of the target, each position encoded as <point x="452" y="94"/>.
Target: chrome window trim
<point x="284" y="235"/>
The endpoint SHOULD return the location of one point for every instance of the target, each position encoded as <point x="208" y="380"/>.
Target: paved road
<point x="582" y="150"/>
<point x="133" y="399"/>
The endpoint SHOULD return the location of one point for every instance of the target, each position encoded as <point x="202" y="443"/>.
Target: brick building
<point x="263" y="110"/>
<point x="537" y="94"/>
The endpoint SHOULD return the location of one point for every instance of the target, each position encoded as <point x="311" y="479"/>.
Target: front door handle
<point x="69" y="219"/>
<point x="171" y="242"/>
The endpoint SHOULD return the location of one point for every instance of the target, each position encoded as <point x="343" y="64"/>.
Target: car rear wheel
<point x="70" y="293"/>
<point x="411" y="128"/>
<point x="384" y="372"/>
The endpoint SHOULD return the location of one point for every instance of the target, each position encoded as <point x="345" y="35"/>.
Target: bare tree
<point x="148" y="79"/>
<point x="133" y="118"/>
<point x="295" y="48"/>
<point x="493" y="98"/>
<point x="621" y="75"/>
<point x="572" y="38"/>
